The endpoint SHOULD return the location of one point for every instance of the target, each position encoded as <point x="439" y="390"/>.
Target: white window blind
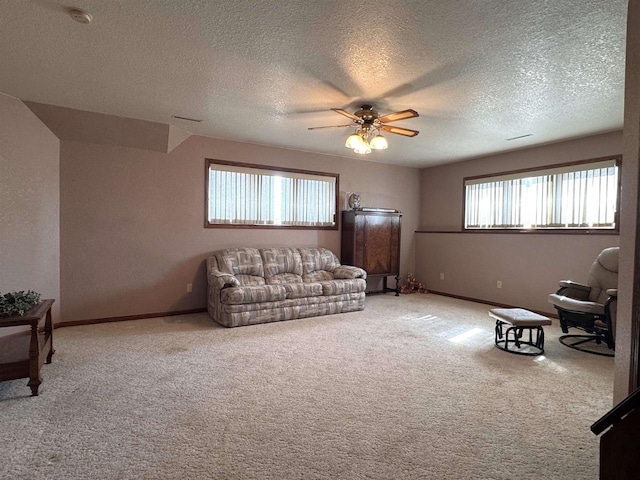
<point x="583" y="196"/>
<point x="240" y="195"/>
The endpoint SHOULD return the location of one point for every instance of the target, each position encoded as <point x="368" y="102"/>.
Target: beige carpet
<point x="393" y="392"/>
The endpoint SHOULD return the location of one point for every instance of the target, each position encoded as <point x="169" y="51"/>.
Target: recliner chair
<point x="591" y="307"/>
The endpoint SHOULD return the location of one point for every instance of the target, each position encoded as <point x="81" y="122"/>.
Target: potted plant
<point x="18" y="303"/>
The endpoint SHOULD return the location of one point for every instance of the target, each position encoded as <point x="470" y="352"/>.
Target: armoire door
<point x="380" y="251"/>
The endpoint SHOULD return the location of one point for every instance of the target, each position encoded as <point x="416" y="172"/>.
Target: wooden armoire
<point x="371" y="240"/>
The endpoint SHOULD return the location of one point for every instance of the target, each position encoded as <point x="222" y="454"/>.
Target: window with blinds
<point x="255" y="195"/>
<point x="571" y="196"/>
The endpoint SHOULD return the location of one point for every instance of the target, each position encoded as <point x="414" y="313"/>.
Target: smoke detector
<point x="80" y="15"/>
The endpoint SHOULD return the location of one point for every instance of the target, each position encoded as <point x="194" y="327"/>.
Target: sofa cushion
<point x="283" y="278"/>
<point x="240" y="261"/>
<point x="340" y="287"/>
<point x="248" y="280"/>
<point x="281" y="260"/>
<point x="317" y="276"/>
<point x="290" y="302"/>
<point x="252" y="294"/>
<point x="317" y="258"/>
<point x="301" y="290"/>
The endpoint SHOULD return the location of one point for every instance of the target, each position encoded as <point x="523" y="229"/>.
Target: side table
<point x="22" y="354"/>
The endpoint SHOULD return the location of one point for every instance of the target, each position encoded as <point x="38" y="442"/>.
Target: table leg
<point x="48" y="335"/>
<point x="34" y="362"/>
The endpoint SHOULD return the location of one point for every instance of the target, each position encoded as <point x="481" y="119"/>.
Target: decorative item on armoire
<point x="354" y="201"/>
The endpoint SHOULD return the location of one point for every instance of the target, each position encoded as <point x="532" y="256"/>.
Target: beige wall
<point x="29" y="204"/>
<point x="132" y="232"/>
<point x="629" y="210"/>
<point x="529" y="265"/>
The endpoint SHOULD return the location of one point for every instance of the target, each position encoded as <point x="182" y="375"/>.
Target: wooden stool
<point x="519" y="320"/>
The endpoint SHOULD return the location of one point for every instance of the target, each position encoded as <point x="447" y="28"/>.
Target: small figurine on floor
<point x="413" y="286"/>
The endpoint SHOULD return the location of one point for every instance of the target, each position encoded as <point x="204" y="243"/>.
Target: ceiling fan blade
<point x="330" y="126"/>
<point x="399" y="130"/>
<point x="394" y="117"/>
<point x="347" y="114"/>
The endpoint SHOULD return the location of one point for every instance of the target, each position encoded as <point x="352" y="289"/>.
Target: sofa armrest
<point x="612" y="292"/>
<point x="347" y="272"/>
<point x="221" y="280"/>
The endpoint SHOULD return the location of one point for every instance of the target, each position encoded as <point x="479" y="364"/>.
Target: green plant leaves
<point x="18" y="303"/>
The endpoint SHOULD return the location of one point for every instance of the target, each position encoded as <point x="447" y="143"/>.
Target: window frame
<point x="550" y="230"/>
<point x="210" y="161"/>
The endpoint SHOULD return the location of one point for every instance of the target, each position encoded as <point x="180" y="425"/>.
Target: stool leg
<point x="513" y="331"/>
<point x="498" y="331"/>
<point x="506" y="338"/>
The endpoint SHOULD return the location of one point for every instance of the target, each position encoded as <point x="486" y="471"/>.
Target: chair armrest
<point x="347" y="271"/>
<point x="574" y="285"/>
<point x="574" y="290"/>
<point x="612" y="292"/>
<point x="222" y="280"/>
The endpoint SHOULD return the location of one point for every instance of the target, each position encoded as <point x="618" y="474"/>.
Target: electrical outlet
<point x="189" y="287"/>
<point x="441" y="276"/>
<point x="499" y="284"/>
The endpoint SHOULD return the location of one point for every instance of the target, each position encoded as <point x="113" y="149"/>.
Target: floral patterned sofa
<point x="249" y="285"/>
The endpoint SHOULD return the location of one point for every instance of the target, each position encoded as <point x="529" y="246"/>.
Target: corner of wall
<point x="30" y="195"/>
<point x="176" y="137"/>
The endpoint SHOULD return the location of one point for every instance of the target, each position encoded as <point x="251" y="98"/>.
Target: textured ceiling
<point x="477" y="71"/>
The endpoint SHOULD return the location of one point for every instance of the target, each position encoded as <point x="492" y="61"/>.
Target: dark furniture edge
<point x="616" y="414"/>
<point x="33" y="316"/>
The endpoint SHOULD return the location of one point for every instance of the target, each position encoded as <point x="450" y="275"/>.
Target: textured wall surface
<point x="89" y="127"/>
<point x="629" y="210"/>
<point x="29" y="203"/>
<point x="529" y="265"/>
<point x="132" y="232"/>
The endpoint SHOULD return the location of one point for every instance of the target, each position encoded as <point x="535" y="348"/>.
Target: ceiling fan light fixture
<point x="363" y="149"/>
<point x="354" y="141"/>
<point x="369" y="124"/>
<point x="379" y="143"/>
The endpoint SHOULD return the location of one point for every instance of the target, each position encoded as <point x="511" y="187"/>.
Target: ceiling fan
<point x="369" y="124"/>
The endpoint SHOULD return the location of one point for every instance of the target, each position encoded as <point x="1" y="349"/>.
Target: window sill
<point x="547" y="231"/>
